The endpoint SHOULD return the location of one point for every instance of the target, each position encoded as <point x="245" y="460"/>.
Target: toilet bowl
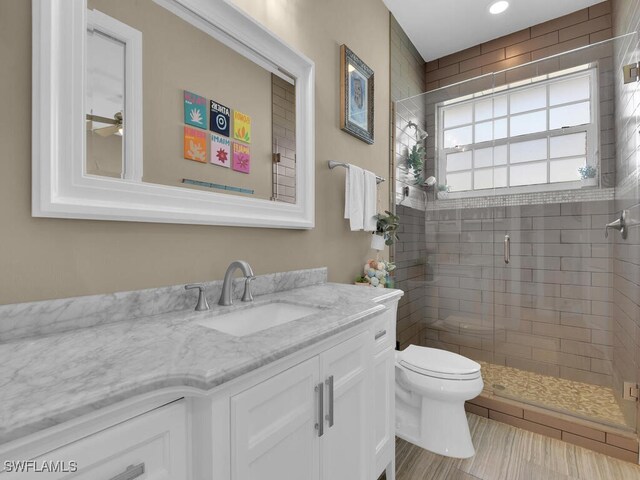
<point x="431" y="388"/>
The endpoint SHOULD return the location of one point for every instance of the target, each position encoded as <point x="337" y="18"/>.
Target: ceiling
<point x="440" y="27"/>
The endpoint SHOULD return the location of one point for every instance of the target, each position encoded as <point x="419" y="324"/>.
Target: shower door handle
<point x="507" y="249"/>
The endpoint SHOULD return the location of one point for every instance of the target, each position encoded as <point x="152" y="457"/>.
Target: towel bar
<point x="333" y="164"/>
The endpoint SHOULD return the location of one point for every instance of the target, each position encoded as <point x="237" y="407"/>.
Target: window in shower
<point x="529" y="136"/>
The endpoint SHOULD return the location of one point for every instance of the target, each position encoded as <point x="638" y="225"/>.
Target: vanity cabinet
<point x="272" y="425"/>
<point x="311" y="421"/>
<point x="384" y="393"/>
<point x="325" y="412"/>
<point x="346" y="441"/>
<point x="150" y="446"/>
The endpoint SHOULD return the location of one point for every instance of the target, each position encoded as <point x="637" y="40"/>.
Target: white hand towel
<point x="370" y="201"/>
<point x="354" y="197"/>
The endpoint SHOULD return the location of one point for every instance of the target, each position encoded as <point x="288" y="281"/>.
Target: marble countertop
<point x="47" y="380"/>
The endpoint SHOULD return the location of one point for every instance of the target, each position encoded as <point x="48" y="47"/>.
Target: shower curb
<point x="611" y="441"/>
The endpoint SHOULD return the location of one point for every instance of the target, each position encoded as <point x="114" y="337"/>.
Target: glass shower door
<point x="459" y="231"/>
<point x="515" y="270"/>
<point x="556" y="335"/>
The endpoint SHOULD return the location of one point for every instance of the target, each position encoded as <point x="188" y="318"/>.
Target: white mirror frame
<point x="60" y="187"/>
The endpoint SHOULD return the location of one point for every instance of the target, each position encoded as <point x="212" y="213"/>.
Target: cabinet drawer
<point x="151" y="446"/>
<point x="384" y="331"/>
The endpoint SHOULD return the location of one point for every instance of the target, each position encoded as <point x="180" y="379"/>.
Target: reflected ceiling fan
<point x="114" y="128"/>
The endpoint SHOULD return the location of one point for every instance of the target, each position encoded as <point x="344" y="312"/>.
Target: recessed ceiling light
<point x="498" y="7"/>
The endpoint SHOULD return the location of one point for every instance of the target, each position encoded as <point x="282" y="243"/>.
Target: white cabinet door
<point x="273" y="434"/>
<point x="346" y="445"/>
<point x="383" y="407"/>
<point x="150" y="446"/>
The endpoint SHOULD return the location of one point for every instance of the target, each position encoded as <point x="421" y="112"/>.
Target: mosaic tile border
<point x="538" y="198"/>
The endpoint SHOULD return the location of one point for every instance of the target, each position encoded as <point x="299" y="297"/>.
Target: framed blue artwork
<point x="356" y="96"/>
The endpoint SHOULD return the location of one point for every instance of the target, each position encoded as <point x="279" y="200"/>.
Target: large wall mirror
<point x="180" y="111"/>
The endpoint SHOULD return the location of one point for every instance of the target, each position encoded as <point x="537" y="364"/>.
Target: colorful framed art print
<point x="195" y="110"/>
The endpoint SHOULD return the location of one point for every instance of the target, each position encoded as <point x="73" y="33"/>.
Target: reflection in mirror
<point x="104" y="104"/>
<point x="214" y="120"/>
<point x="284" y="140"/>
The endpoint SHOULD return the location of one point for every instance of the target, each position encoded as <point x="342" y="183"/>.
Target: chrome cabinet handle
<point x="320" y="425"/>
<point x="329" y="417"/>
<point x="507" y="249"/>
<point x="132" y="471"/>
<point x="381" y="333"/>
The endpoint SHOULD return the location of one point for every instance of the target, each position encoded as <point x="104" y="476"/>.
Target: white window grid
<point x="591" y="129"/>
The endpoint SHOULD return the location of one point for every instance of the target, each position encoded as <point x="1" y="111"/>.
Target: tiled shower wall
<point x="579" y="29"/>
<point x="547" y="311"/>
<point x="626" y="263"/>
<point x="407" y="80"/>
<point x="563" y="34"/>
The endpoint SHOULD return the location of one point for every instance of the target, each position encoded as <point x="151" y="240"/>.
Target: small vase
<point x="377" y="242"/>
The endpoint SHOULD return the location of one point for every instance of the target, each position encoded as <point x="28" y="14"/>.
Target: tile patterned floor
<point x="583" y="400"/>
<point x="508" y="453"/>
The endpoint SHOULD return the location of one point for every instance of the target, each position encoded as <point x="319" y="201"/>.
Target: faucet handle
<point x="247" y="296"/>
<point x="202" y="299"/>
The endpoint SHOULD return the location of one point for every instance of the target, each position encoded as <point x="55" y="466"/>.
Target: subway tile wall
<point x="626" y="263"/>
<point x="549" y="310"/>
<point x="567" y="305"/>
<point x="407" y="80"/>
<point x="578" y="29"/>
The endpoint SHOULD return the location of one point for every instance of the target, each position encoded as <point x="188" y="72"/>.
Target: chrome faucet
<point x="226" y="297"/>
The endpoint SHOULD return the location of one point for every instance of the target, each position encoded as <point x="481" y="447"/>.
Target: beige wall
<point x="49" y="258"/>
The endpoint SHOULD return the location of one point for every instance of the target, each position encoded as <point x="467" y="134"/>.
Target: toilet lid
<point x="438" y="363"/>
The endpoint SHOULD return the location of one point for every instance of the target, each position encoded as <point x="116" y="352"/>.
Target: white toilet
<point x="431" y="388"/>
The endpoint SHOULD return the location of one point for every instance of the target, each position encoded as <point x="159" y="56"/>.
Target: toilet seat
<point x="433" y="362"/>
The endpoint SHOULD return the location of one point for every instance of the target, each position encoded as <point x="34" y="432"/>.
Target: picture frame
<point x="356" y="96"/>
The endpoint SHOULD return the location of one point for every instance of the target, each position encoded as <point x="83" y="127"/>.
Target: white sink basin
<point x="254" y="319"/>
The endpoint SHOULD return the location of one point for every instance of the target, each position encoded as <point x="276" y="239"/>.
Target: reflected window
<point x="534" y="136"/>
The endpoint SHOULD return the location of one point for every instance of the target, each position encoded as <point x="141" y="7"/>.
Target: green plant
<point x="362" y="279"/>
<point x="387" y="226"/>
<point x="415" y="161"/>
<point x="587" y="172"/>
